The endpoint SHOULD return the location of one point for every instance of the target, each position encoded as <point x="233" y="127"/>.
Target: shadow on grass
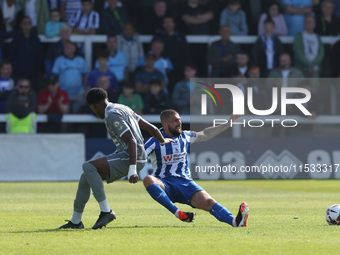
<point x="90" y="229"/>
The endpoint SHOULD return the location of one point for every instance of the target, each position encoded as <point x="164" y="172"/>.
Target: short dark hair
<point x="4" y="62"/>
<point x="166" y="114"/>
<point x="84" y="1"/>
<point x="242" y="52"/>
<point x="191" y="65"/>
<point x="155" y="81"/>
<point x="234" y="2"/>
<point x="103" y="54"/>
<point x="95" y="96"/>
<point x="127" y="84"/>
<point x="269" y="20"/>
<point x="111" y="36"/>
<point x="54" y="10"/>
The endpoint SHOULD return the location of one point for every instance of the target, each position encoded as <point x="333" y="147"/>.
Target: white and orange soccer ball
<point x="333" y="215"/>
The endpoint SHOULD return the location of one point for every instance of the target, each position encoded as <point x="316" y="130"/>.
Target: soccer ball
<point x="333" y="215"/>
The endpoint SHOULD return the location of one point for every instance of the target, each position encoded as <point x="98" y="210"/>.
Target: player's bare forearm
<point x="153" y="130"/>
<point x="131" y="142"/>
<point x="211" y="132"/>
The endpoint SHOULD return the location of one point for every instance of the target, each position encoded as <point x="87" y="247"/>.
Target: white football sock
<point x="104" y="206"/>
<point x="176" y="213"/>
<point x="76" y="217"/>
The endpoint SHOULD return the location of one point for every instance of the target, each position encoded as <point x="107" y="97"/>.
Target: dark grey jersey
<point x="119" y="119"/>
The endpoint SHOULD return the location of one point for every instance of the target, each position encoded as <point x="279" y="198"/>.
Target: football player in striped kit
<point x="171" y="181"/>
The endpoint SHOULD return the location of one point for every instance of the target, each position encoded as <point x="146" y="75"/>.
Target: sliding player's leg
<point x="202" y="200"/>
<point x="156" y="188"/>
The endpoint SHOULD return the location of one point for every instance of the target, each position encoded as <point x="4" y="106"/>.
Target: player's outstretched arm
<point x="131" y="142"/>
<point x="153" y="130"/>
<point x="211" y="132"/>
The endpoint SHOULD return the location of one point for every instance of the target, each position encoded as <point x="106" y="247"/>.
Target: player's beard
<point x="177" y="131"/>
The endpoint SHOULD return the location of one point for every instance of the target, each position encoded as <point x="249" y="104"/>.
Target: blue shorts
<point x="180" y="189"/>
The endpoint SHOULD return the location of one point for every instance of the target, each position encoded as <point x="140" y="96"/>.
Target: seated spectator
<point x="26" y="53"/>
<point x="240" y="69"/>
<point x="176" y="47"/>
<point x="182" y="98"/>
<point x="295" y="12"/>
<point x="222" y="53"/>
<point x="148" y="73"/>
<point x="196" y="18"/>
<point x="38" y="12"/>
<point x="57" y="49"/>
<point x="259" y="98"/>
<point x="68" y="7"/>
<point x="326" y="23"/>
<point x="117" y="60"/>
<point x="235" y="18"/>
<point x="53" y="26"/>
<point x="130" y="98"/>
<point x="130" y="44"/>
<point x="113" y="18"/>
<point x="285" y="71"/>
<point x="156" y="100"/>
<point x="84" y="21"/>
<point x="279" y="20"/>
<point x="162" y="64"/>
<point x="152" y="23"/>
<point x="267" y="49"/>
<point x="102" y="70"/>
<point x="72" y="71"/>
<point x="104" y="83"/>
<point x="21" y="107"/>
<point x="6" y="83"/>
<point x="308" y="50"/>
<point x="12" y="13"/>
<point x="53" y="101"/>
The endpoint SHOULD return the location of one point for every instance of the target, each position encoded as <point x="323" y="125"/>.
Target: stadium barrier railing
<point x="89" y="40"/>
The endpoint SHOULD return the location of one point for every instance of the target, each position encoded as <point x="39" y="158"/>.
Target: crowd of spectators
<point x="151" y="78"/>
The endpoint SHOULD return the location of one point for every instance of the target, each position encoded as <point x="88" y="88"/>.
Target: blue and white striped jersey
<point x="83" y="22"/>
<point x="171" y="159"/>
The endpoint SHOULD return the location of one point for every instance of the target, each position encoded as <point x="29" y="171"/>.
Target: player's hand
<point x="134" y="178"/>
<point x="168" y="140"/>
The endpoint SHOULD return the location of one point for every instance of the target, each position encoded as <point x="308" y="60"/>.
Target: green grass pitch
<point x="286" y="217"/>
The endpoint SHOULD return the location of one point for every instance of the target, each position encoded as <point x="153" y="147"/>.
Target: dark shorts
<point x="119" y="165"/>
<point x="180" y="189"/>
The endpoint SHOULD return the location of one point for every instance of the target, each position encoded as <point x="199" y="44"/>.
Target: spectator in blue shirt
<point x="57" y="49"/>
<point x="117" y="61"/>
<point x="72" y="72"/>
<point x="52" y="27"/>
<point x="148" y="73"/>
<point x="102" y="70"/>
<point x="162" y="64"/>
<point x="84" y="21"/>
<point x="295" y="12"/>
<point x="235" y="18"/>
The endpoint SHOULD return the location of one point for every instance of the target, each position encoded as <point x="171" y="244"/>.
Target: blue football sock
<point x="222" y="214"/>
<point x="157" y="193"/>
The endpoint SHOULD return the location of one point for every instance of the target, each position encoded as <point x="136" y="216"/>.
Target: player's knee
<point x="88" y="167"/>
<point x="148" y="181"/>
<point x="209" y="203"/>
